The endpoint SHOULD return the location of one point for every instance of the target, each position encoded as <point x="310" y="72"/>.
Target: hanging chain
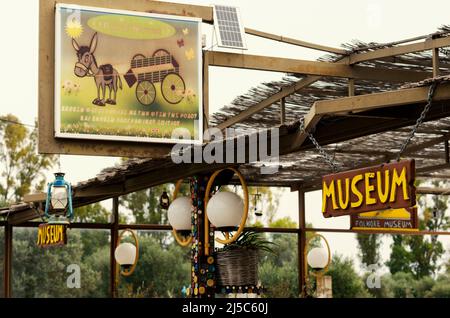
<point x="421" y="118"/>
<point x="329" y="159"/>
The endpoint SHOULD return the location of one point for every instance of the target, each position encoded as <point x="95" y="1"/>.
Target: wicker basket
<point x="237" y="267"/>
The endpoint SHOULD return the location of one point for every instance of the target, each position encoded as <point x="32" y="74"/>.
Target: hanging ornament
<point x="257" y="197"/>
<point x="164" y="201"/>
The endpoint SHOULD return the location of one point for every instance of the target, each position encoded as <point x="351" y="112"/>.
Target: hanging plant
<point x="237" y="262"/>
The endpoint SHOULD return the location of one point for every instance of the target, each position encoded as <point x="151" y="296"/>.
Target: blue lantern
<point x="59" y="200"/>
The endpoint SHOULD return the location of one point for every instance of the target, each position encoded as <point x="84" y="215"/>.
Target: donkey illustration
<point x="104" y="75"/>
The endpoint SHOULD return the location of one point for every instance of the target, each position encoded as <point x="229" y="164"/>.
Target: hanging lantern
<point x="179" y="214"/>
<point x="257" y="209"/>
<point x="318" y="258"/>
<point x="59" y="200"/>
<point x="225" y="210"/>
<point x="164" y="200"/>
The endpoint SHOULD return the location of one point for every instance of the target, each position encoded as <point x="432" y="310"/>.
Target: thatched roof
<point x="305" y="167"/>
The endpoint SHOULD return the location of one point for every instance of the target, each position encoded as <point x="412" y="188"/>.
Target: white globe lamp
<point x="225" y="210"/>
<point x="179" y="214"/>
<point x="318" y="258"/>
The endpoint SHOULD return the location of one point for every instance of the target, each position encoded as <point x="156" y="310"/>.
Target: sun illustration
<point x="74" y="29"/>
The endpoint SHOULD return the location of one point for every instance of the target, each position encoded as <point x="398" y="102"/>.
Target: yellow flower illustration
<point x="74" y="29"/>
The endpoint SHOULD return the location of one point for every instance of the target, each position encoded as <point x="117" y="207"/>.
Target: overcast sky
<point x="325" y="22"/>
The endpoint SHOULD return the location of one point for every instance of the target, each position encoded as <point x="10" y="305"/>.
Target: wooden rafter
<point x="301" y="43"/>
<point x="428" y="44"/>
<point x="381" y="53"/>
<point x="285" y="65"/>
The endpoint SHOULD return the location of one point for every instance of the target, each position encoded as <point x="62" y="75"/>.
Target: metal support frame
<point x="301" y="243"/>
<point x="114" y="235"/>
<point x="7" y="265"/>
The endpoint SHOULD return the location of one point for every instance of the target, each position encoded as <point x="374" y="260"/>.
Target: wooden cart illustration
<point x="162" y="68"/>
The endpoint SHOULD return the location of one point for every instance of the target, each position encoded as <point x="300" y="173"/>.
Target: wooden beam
<point x="285" y="91"/>
<point x="429" y="190"/>
<point x="447" y="152"/>
<point x="351" y="87"/>
<point x="285" y="65"/>
<point x="379" y="100"/>
<point x="113" y="189"/>
<point x="149" y="6"/>
<point x="205" y="91"/>
<point x="287" y="40"/>
<point x="387" y="231"/>
<point x="435" y="59"/>
<point x="428" y="44"/>
<point x="433" y="168"/>
<point x="282" y="111"/>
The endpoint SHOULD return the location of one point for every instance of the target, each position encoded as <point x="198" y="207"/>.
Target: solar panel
<point x="229" y="29"/>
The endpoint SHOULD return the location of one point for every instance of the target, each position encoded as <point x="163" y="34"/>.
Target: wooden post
<point x="283" y="111"/>
<point x="435" y="59"/>
<point x="351" y="87"/>
<point x="7" y="261"/>
<point x="205" y="91"/>
<point x="447" y="152"/>
<point x="301" y="243"/>
<point x="114" y="236"/>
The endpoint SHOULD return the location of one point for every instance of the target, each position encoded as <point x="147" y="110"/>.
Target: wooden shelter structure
<point x="359" y="102"/>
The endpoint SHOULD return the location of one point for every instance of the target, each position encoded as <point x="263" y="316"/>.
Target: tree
<point x="162" y="272"/>
<point x="345" y="281"/>
<point x="369" y="246"/>
<point x="22" y="169"/>
<point x="420" y="255"/>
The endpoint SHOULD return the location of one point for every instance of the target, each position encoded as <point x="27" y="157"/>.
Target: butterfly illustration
<point x="180" y="42"/>
<point x="189" y="54"/>
<point x="185" y="31"/>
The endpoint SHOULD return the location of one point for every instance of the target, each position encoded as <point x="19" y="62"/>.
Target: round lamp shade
<point x="179" y="214"/>
<point x="125" y="254"/>
<point x="318" y="258"/>
<point x="225" y="209"/>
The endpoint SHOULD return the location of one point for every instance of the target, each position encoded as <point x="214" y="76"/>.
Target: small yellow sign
<point x="51" y="235"/>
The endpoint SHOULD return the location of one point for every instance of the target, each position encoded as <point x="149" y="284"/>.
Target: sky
<point x="324" y="22"/>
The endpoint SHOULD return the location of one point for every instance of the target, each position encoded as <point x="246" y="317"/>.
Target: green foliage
<point x="92" y="213"/>
<point x="368" y="246"/>
<point x="21" y="168"/>
<point x="346" y="282"/>
<point x="251" y="240"/>
<point x="162" y="272"/>
<point x="285" y="222"/>
<point x="43" y="273"/>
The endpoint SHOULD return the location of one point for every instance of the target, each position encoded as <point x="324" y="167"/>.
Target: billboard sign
<point x="127" y="76"/>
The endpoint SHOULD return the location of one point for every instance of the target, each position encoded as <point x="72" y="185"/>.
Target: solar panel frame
<point x="228" y="27"/>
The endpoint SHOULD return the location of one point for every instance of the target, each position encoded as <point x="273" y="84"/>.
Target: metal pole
<point x="301" y="243"/>
<point x="7" y="260"/>
<point x="114" y="235"/>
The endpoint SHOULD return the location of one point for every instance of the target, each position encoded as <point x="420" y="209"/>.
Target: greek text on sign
<point x="382" y="187"/>
<point x="395" y="219"/>
<point x="51" y="235"/>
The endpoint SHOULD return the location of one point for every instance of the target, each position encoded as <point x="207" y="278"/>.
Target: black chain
<point x="421" y="118"/>
<point x="329" y="159"/>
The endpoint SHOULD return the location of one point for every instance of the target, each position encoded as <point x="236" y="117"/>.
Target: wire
<point x="17" y="123"/>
